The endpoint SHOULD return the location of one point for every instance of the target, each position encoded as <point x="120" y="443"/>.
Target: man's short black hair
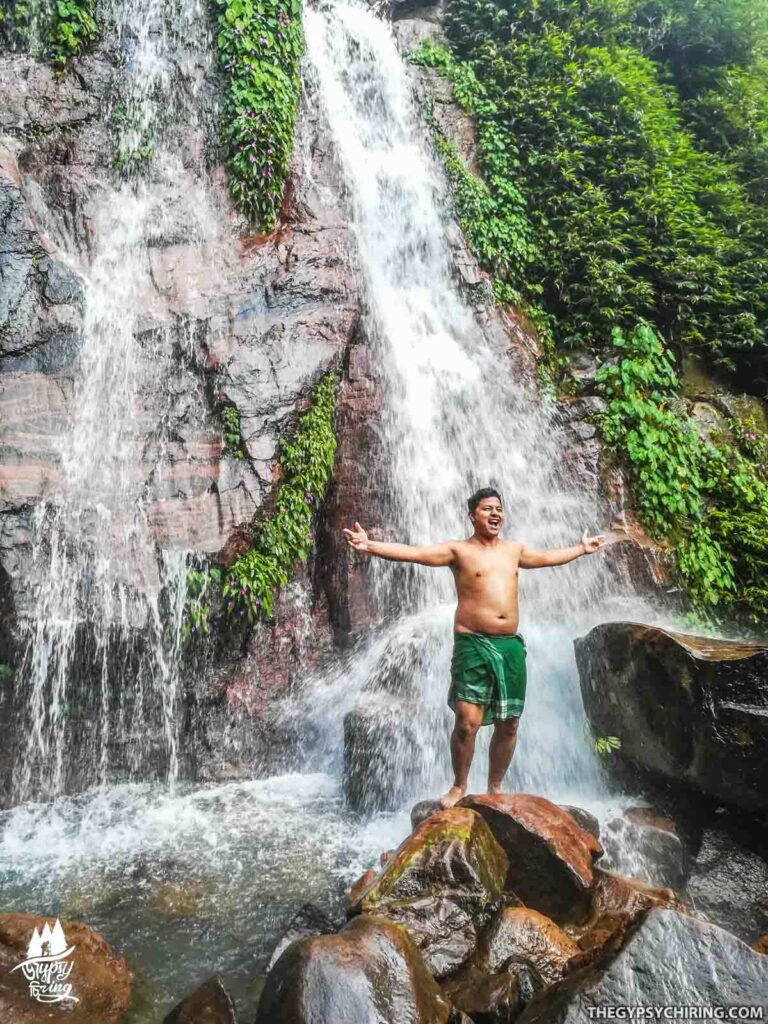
<point x="477" y="497"/>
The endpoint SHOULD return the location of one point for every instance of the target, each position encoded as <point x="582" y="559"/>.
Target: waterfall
<point x="455" y="419"/>
<point x="101" y="626"/>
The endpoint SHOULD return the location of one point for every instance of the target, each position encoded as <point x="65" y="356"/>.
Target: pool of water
<point x="188" y="881"/>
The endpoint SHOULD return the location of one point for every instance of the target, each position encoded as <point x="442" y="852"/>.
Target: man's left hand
<point x="591" y="544"/>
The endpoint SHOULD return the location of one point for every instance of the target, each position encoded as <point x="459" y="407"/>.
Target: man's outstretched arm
<point x="428" y="554"/>
<point x="530" y="559"/>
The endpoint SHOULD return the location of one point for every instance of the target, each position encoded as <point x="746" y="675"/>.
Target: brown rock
<point x="369" y="972"/>
<point x="490" y="998"/>
<point x="358" y="888"/>
<point x="100" y="980"/>
<point x="617" y="904"/>
<point x="761" y="945"/>
<point x="210" y="1004"/>
<point x="523" y="933"/>
<point x="238" y="542"/>
<point x="441" y="884"/>
<point x="550" y="856"/>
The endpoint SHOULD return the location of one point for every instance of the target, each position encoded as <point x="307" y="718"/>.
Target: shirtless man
<point x="488" y="675"/>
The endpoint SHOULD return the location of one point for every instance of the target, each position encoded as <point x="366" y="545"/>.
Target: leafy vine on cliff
<point x="708" y="502"/>
<point x="283" y="539"/>
<point x="60" y="30"/>
<point x="260" y="43"/>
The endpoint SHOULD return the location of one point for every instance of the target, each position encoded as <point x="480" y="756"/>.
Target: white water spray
<point x="455" y="420"/>
<point x="105" y="611"/>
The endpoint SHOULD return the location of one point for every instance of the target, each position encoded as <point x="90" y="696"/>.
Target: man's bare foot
<point x="494" y="790"/>
<point x="454" y="794"/>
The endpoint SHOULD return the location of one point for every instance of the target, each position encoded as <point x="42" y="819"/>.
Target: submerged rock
<point x="669" y="960"/>
<point x="689" y="709"/>
<point x="371" y="972"/>
<point x="210" y="1004"/>
<point x="308" y="920"/>
<point x="441" y="884"/>
<point x="100" y="979"/>
<point x="550" y="856"/>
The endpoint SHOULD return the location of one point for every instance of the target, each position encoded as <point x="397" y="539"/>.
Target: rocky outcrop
<point x="670" y="959"/>
<point x="210" y="1004"/>
<point x="550" y="856"/>
<point x="101" y="980"/>
<point x="518" y="934"/>
<point x="729" y="885"/>
<point x="441" y="885"/>
<point x="370" y="972"/>
<point x="689" y="709"/>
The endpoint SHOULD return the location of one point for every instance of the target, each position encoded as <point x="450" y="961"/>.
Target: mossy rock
<point x="442" y="884"/>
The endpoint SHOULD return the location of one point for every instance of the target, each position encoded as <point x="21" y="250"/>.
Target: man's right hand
<point x="357" y="538"/>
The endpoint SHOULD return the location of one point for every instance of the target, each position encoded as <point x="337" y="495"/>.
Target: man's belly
<point x="473" y="619"/>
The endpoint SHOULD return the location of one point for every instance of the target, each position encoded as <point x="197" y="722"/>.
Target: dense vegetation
<point x="59" y="30"/>
<point x="260" y="43"/>
<point x="624" y="150"/>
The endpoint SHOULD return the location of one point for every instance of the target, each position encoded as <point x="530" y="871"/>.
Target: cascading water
<point x="105" y="606"/>
<point x="454" y="420"/>
<point x="244" y="855"/>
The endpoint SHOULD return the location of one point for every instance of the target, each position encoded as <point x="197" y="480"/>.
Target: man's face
<point x="488" y="517"/>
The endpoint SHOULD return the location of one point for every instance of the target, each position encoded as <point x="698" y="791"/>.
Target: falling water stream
<point x="189" y="879"/>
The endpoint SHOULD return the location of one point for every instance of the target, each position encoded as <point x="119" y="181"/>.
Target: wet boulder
<point x="583" y="819"/>
<point x="308" y="920"/>
<point x="656" y="855"/>
<point x="382" y="754"/>
<point x="370" y="972"/>
<point x="616" y="905"/>
<point x="688" y="709"/>
<point x="422" y="810"/>
<point x="729" y="885"/>
<point x="101" y="980"/>
<point x="210" y="1004"/>
<point x="492" y="998"/>
<point x="550" y="855"/>
<point x="521" y="935"/>
<point x="670" y="959"/>
<point x="442" y="884"/>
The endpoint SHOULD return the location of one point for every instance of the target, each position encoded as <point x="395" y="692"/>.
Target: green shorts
<point x="489" y="670"/>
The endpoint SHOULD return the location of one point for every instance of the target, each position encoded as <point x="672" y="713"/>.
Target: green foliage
<point x="233" y="440"/>
<point x="6" y="672"/>
<point x="202" y="585"/>
<point x="708" y="502"/>
<point x="605" y="745"/>
<point x="57" y="29"/>
<point x="630" y="219"/>
<point x="490" y="210"/>
<point x="283" y="539"/>
<point x="73" y="27"/>
<point x="260" y="43"/>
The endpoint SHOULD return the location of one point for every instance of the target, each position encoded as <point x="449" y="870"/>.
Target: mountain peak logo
<point x="48" y="966"/>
